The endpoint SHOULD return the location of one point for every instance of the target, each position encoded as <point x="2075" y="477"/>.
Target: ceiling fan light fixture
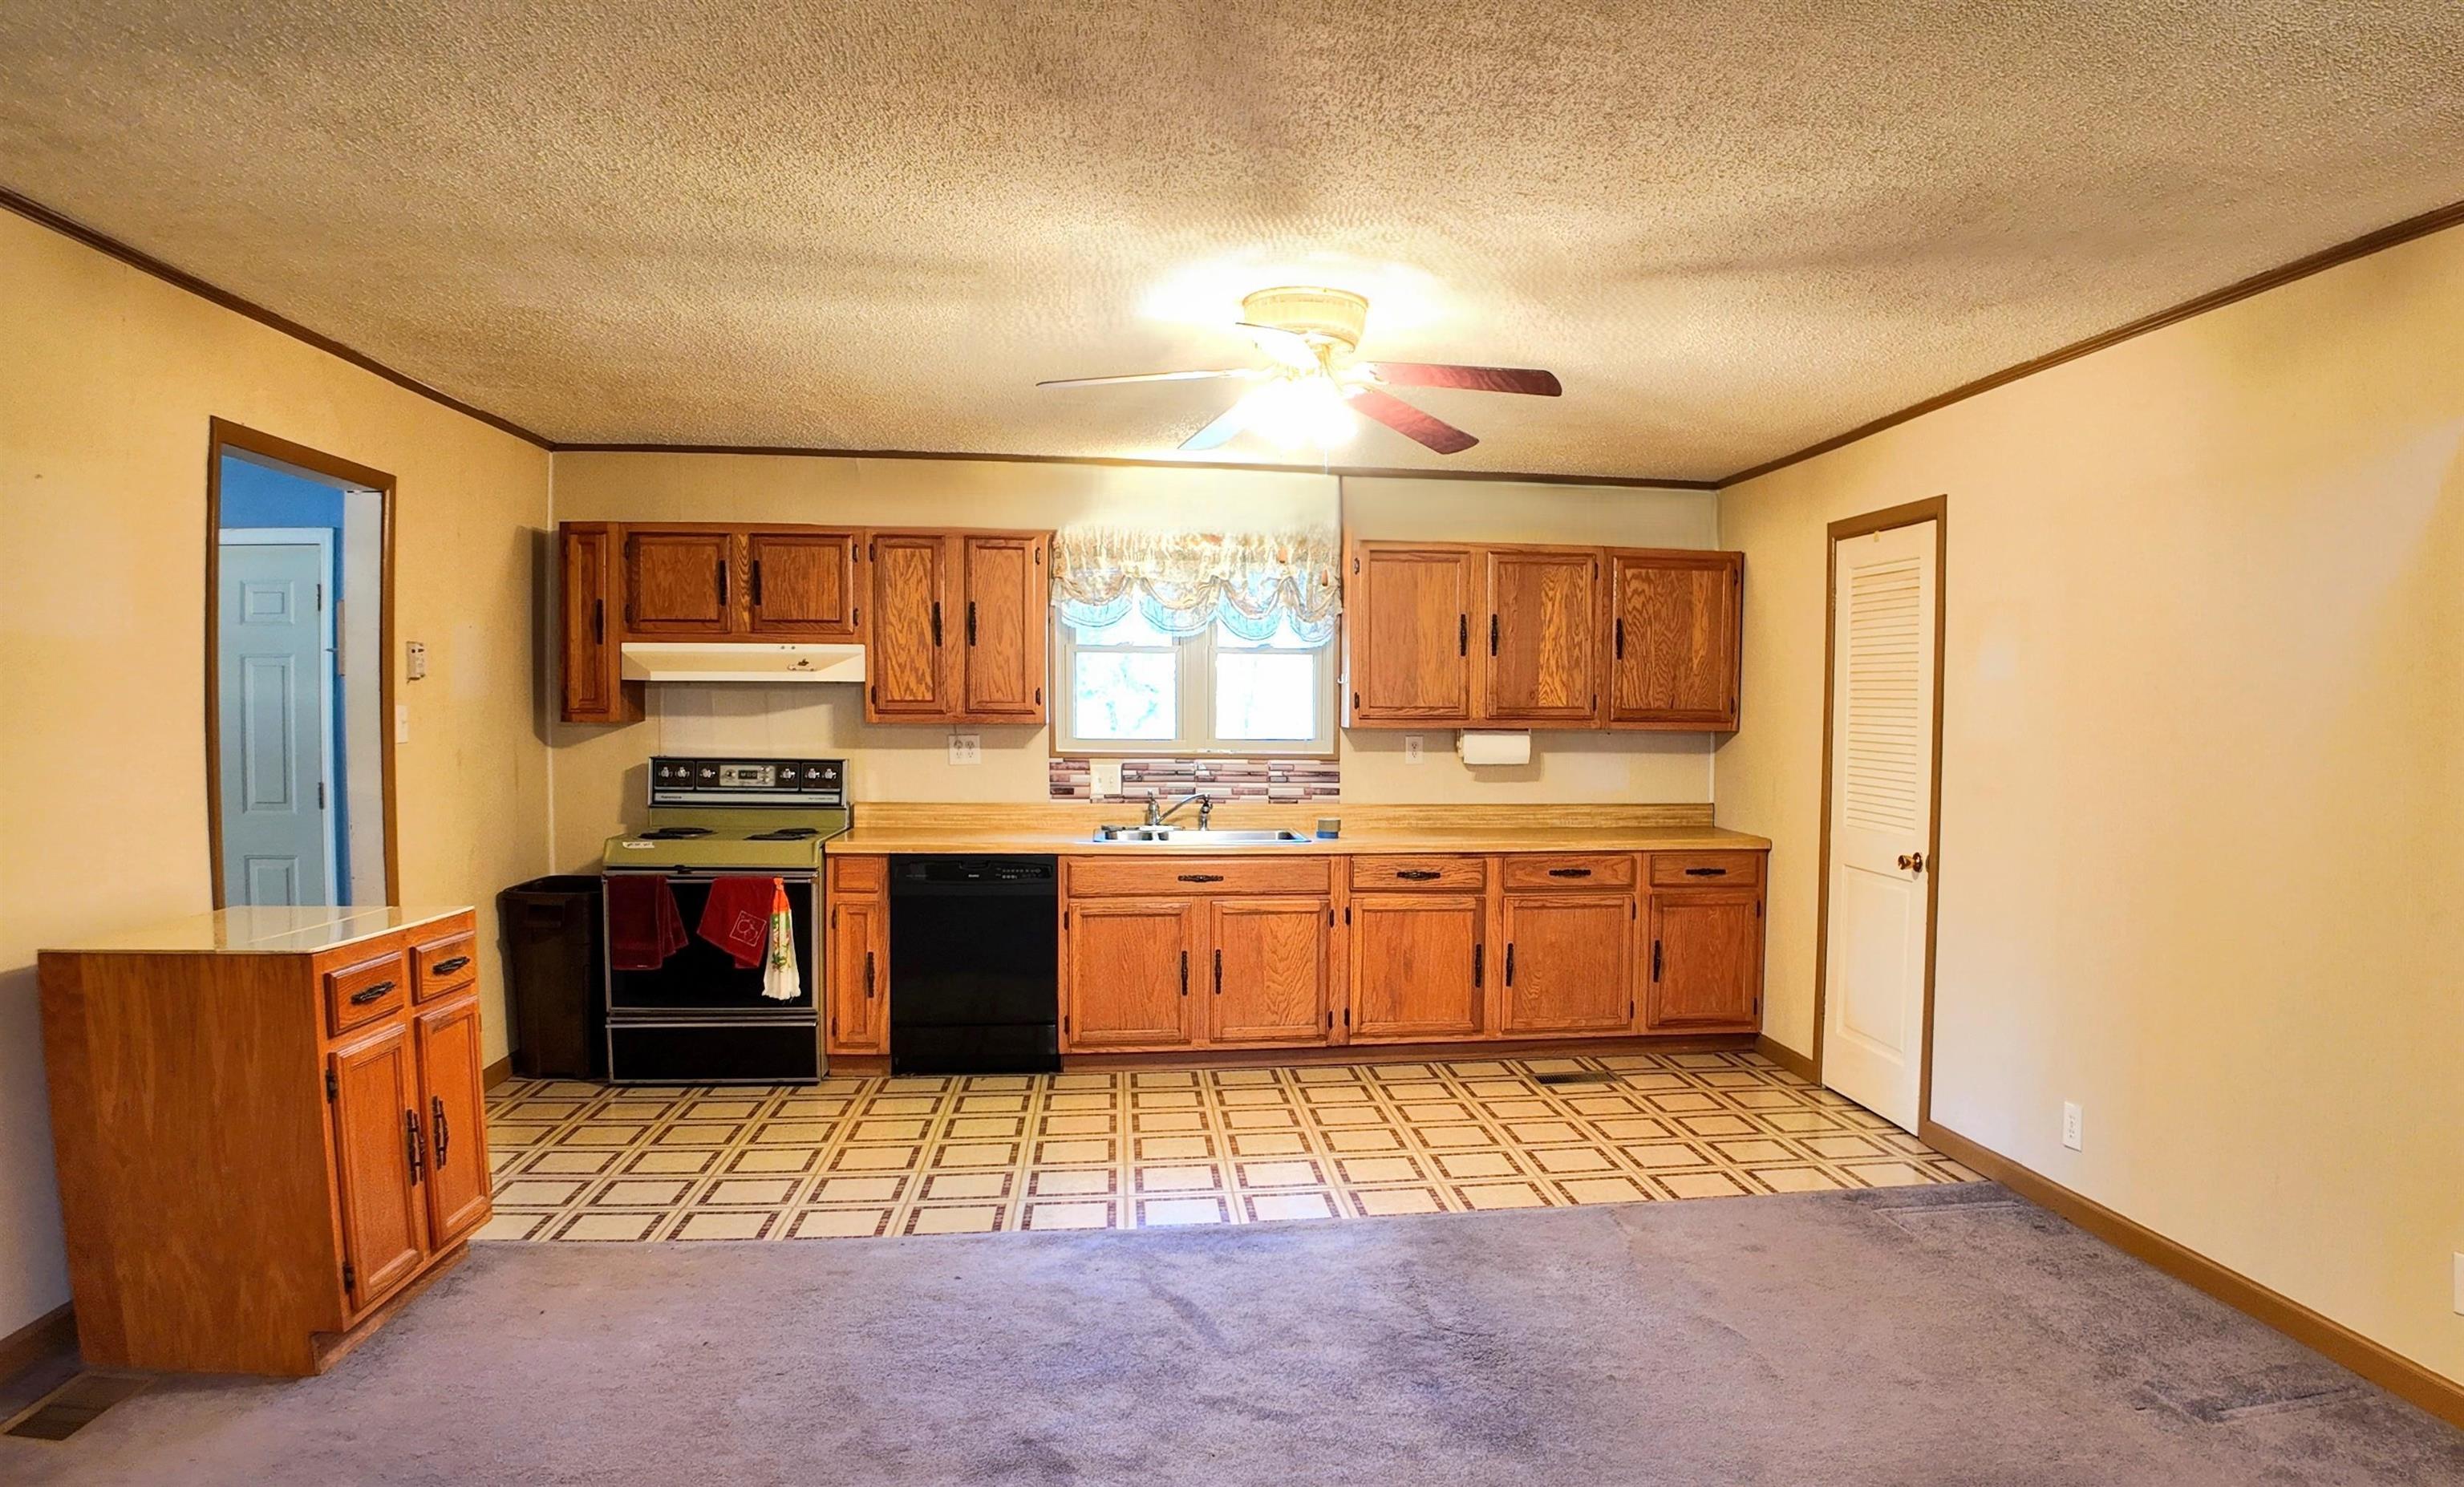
<point x="1301" y="412"/>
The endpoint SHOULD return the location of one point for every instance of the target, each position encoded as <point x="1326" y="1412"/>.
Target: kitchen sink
<point x="1191" y="837"/>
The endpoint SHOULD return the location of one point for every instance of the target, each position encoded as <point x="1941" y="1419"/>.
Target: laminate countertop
<point x="870" y="841"/>
<point x="262" y="931"/>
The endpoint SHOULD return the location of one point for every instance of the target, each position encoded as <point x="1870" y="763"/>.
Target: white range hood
<point x="696" y="661"/>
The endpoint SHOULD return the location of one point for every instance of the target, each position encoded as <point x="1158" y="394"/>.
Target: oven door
<point x="703" y="981"/>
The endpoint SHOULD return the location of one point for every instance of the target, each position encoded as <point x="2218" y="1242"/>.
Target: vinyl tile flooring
<point x="870" y="1156"/>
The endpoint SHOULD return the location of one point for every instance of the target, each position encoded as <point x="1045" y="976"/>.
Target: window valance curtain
<point x="1184" y="581"/>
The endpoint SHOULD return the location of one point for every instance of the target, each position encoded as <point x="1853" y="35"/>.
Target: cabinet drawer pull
<point x="755" y="595"/>
<point x="1184" y="973"/>
<point x="1418" y="874"/>
<point x="1477" y="954"/>
<point x="936" y="624"/>
<point x="1707" y="872"/>
<point x="449" y="965"/>
<point x="1570" y="872"/>
<point x="1462" y="635"/>
<point x="444" y="1136"/>
<point x="374" y="993"/>
<point x="867" y="973"/>
<point x="410" y="1141"/>
<point x="722" y="585"/>
<point x="1219" y="970"/>
<point x="1655" y="960"/>
<point x="971" y="622"/>
<point x="1202" y="877"/>
<point x="1510" y="962"/>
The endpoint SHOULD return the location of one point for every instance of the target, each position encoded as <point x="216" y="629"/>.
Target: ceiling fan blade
<point x="1411" y="423"/>
<point x="1289" y="347"/>
<point x="1148" y="377"/>
<point x="1229" y="422"/>
<point x="1479" y="379"/>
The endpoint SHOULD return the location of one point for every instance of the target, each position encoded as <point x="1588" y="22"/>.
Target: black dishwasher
<point x="975" y="948"/>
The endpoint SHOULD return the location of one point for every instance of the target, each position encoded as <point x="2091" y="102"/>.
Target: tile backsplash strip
<point x="1278" y="781"/>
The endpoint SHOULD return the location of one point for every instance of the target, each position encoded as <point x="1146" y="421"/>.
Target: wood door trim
<point x="1936" y="510"/>
<point x="223" y="434"/>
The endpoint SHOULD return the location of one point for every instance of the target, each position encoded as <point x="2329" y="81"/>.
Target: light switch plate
<point x="966" y="749"/>
<point x="402" y="722"/>
<point x="1411" y="748"/>
<point x="2459" y="1283"/>
<point x="2071" y="1124"/>
<point x="1105" y="781"/>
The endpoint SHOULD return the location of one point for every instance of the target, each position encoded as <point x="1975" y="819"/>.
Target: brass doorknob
<point x="1913" y="862"/>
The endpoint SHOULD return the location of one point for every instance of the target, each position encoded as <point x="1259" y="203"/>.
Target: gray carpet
<point x="1932" y="1336"/>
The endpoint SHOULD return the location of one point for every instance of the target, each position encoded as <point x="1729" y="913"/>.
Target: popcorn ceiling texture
<point x="1732" y="229"/>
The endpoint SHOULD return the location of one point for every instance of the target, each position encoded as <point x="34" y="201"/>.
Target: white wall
<point x="2201" y="864"/>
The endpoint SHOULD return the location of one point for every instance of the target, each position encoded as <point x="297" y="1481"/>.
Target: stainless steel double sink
<point x="1193" y="837"/>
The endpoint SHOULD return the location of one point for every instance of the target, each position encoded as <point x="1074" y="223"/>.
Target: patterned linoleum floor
<point x="867" y="1156"/>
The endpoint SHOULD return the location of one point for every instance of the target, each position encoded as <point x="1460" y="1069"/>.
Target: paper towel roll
<point x="1478" y="749"/>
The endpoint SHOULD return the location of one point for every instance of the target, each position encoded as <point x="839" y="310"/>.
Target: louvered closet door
<point x="1882" y="815"/>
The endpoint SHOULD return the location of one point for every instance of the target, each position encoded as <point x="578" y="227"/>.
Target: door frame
<point x="329" y="564"/>
<point x="224" y="436"/>
<point x="1936" y="510"/>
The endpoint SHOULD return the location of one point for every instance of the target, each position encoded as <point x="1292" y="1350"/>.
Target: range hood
<point x="696" y="661"/>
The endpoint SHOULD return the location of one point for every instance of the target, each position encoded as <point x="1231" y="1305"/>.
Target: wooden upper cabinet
<point x="1418" y="962"/>
<point x="455" y="1109"/>
<point x="1129" y="973"/>
<point x="1568" y="963"/>
<point x="907" y="640"/>
<point x="680" y="583"/>
<point x="1674" y="651"/>
<point x="378" y="1145"/>
<point x="1541" y="657"/>
<point x="1407" y="630"/>
<point x="1008" y="599"/>
<point x="802" y="585"/>
<point x="592" y="688"/>
<point x="1705" y="966"/>
<point x="1267" y="970"/>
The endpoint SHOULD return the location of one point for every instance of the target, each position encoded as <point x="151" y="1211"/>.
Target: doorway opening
<point x="1881" y="810"/>
<point x="298" y="681"/>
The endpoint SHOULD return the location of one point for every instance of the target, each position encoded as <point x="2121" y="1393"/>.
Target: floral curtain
<point x="1184" y="581"/>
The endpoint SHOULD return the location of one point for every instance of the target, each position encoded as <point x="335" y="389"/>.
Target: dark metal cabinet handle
<point x="444" y="1136"/>
<point x="410" y="1141"/>
<point x="1707" y="872"/>
<point x="1655" y="960"/>
<point x="1570" y="872"/>
<point x="723" y="583"/>
<point x="1479" y="953"/>
<point x="1219" y="972"/>
<point x="1462" y="635"/>
<point x="449" y="965"/>
<point x="1202" y="877"/>
<point x="1184" y="973"/>
<point x="1620" y="638"/>
<point x="971" y="622"/>
<point x="1493" y="635"/>
<point x="1510" y="962"/>
<point x="599" y="621"/>
<point x="867" y="973"/>
<point x="373" y="994"/>
<point x="936" y="623"/>
<point x="756" y="584"/>
<point x="1418" y="874"/>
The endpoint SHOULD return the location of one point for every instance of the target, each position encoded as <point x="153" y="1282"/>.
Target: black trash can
<point x="553" y="957"/>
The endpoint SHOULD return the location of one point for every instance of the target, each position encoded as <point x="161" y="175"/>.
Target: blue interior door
<point x="273" y="639"/>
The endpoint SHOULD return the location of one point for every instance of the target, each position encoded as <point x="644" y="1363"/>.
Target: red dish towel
<point x="737" y="918"/>
<point x="644" y="927"/>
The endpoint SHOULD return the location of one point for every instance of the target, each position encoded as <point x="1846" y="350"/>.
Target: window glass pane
<point x="1131" y="629"/>
<point x="1126" y="695"/>
<point x="1266" y="694"/>
<point x="1282" y="640"/>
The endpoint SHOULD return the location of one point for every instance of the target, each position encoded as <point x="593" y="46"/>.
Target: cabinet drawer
<point x="858" y="874"/>
<point x="370" y="992"/>
<point x="1705" y="869"/>
<point x="1090" y="877"/>
<point x="1568" y="870"/>
<point x="1404" y="874"/>
<point x="450" y="963"/>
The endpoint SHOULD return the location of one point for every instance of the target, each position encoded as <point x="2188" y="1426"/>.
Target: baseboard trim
<point x="1786" y="1058"/>
<point x="2390" y="1370"/>
<point x="37" y="1340"/>
<point x="496" y="1073"/>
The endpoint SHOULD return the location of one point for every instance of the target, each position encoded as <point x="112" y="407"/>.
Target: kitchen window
<point x="1127" y="687"/>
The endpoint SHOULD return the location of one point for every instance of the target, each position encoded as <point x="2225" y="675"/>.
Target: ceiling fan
<point x="1310" y="392"/>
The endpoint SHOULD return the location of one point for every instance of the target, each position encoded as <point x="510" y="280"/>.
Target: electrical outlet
<point x="966" y="749"/>
<point x="414" y="661"/>
<point x="2071" y="1124"/>
<point x="1411" y="748"/>
<point x="1105" y="781"/>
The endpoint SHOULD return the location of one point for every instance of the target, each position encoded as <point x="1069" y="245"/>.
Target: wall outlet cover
<point x="966" y="749"/>
<point x="1411" y="748"/>
<point x="1105" y="782"/>
<point x="414" y="661"/>
<point x="2071" y="1124"/>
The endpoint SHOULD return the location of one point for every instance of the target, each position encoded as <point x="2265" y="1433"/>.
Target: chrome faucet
<point x="1157" y="813"/>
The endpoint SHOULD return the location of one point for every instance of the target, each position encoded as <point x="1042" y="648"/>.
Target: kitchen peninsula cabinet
<point x="270" y="1126"/>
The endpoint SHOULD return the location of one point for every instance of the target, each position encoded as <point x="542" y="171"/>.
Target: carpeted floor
<point x="1901" y="1336"/>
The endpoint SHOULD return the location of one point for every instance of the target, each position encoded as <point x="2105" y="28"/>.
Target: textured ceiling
<point x="1732" y="229"/>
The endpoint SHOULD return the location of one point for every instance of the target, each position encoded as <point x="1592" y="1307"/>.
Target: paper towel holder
<point x="1483" y="749"/>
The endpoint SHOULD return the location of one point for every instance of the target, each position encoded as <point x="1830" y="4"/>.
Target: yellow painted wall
<point x="105" y="389"/>
<point x="599" y="771"/>
<point x="2203" y="776"/>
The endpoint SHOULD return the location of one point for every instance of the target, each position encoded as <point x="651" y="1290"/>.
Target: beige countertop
<point x="984" y="837"/>
<point x="263" y="932"/>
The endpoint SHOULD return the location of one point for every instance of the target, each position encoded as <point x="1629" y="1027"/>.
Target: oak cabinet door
<point x="1130" y="965"/>
<point x="680" y="583"/>
<point x="1673" y="639"/>
<point x="1407" y="619"/>
<point x="593" y="690"/>
<point x="377" y="1141"/>
<point x="1540" y="661"/>
<point x="1267" y="965"/>
<point x="1007" y="601"/>
<point x="907" y="652"/>
<point x="453" y="1110"/>
<point x="1706" y="960"/>
<point x="1418" y="962"/>
<point x="859" y="972"/>
<point x="1568" y="963"/>
<point x="801" y="584"/>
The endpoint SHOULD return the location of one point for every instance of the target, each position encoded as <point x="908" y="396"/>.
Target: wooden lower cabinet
<point x="1568" y="964"/>
<point x="1418" y="966"/>
<point x="1269" y="970"/>
<point x="256" y="1210"/>
<point x="858" y="966"/>
<point x="1705" y="965"/>
<point x="1126" y="970"/>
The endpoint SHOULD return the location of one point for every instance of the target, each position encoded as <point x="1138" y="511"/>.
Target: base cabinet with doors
<point x="1196" y="952"/>
<point x="257" y="1209"/>
<point x="857" y="962"/>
